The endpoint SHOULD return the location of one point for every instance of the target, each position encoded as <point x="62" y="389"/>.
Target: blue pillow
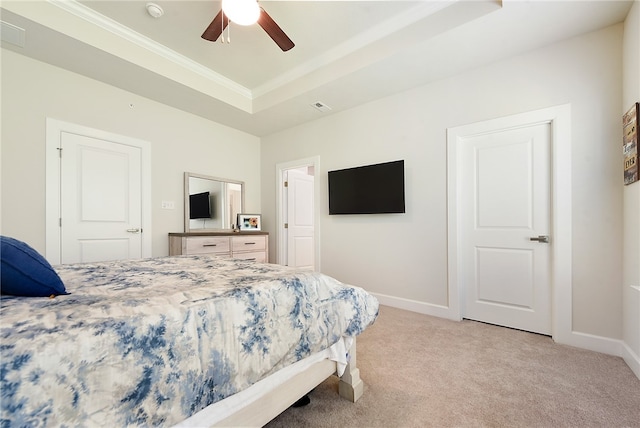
<point x="24" y="272"/>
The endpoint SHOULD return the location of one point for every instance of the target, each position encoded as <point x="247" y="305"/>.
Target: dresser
<point x="239" y="245"/>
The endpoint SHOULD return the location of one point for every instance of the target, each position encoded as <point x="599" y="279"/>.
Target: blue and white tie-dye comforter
<point x="151" y="342"/>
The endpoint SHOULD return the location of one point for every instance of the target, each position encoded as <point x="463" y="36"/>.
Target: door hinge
<point x="59" y="221"/>
<point x="286" y="225"/>
<point x="59" y="151"/>
<point x="286" y="184"/>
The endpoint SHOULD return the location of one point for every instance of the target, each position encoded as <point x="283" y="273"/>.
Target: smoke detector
<point x="154" y="10"/>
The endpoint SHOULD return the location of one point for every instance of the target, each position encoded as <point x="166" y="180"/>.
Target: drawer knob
<point x="249" y="243"/>
<point x="209" y="245"/>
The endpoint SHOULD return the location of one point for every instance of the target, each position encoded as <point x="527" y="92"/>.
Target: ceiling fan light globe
<point x="241" y="12"/>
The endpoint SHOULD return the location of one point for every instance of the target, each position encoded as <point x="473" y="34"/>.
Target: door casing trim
<point x="559" y="118"/>
<point x="280" y="235"/>
<point x="53" y="209"/>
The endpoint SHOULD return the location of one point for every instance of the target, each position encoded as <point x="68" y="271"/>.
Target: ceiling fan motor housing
<point x="221" y="20"/>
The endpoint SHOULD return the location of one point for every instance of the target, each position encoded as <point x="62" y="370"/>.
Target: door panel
<point x="504" y="276"/>
<point x="101" y="207"/>
<point x="300" y="240"/>
<point x="103" y="184"/>
<point x="503" y="169"/>
<point x="506" y="201"/>
<point x="103" y="249"/>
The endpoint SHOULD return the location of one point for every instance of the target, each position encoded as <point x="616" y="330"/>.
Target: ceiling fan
<point x="220" y="22"/>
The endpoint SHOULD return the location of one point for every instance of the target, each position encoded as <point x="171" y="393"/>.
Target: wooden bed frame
<point x="269" y="405"/>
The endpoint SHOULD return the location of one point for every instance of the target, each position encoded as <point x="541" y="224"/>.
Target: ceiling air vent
<point x="12" y="34"/>
<point x="319" y="105"/>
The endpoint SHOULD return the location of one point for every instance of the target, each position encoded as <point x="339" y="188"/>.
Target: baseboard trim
<point x="592" y="342"/>
<point x="605" y="345"/>
<point x="631" y="358"/>
<point x="415" y="306"/>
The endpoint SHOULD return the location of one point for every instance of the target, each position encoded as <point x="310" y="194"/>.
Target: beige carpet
<point x="422" y="371"/>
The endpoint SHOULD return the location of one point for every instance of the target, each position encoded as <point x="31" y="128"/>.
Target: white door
<point x="101" y="208"/>
<point x="300" y="231"/>
<point x="505" y="221"/>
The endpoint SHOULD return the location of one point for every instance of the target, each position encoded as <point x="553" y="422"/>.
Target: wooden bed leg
<point x="351" y="386"/>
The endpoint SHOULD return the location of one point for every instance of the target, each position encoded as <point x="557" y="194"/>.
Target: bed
<point x="177" y="341"/>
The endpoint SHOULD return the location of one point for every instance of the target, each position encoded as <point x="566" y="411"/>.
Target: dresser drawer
<point x="248" y="243"/>
<point x="258" y="256"/>
<point x="206" y="245"/>
<point x="237" y="245"/>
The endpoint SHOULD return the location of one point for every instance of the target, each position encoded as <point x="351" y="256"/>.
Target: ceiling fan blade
<point x="274" y="31"/>
<point x="216" y="27"/>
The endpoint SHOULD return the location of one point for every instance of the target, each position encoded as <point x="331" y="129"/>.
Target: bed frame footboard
<point x="269" y="405"/>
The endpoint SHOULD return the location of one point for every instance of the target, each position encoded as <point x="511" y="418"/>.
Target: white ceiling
<point x="347" y="52"/>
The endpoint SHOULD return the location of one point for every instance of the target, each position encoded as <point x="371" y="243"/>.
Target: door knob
<point x="540" y="238"/>
<point x="136" y="230"/>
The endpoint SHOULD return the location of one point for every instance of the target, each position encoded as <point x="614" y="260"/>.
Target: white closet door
<point x="101" y="208"/>
<point x="506" y="204"/>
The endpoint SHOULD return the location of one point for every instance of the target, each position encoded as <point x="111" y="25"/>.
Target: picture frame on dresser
<point x="249" y="222"/>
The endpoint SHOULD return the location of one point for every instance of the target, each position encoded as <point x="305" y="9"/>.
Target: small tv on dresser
<point x="369" y="189"/>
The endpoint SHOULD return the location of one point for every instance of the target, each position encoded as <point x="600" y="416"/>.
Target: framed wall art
<point x="630" y="122"/>
<point x="249" y="222"/>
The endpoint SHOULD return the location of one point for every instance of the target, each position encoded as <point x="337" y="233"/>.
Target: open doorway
<point x="297" y="214"/>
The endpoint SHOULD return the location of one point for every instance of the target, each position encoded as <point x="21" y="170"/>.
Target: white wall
<point x="631" y="275"/>
<point x="33" y="91"/>
<point x="405" y="255"/>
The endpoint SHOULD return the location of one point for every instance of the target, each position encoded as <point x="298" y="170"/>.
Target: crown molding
<point x="108" y="24"/>
<point x="361" y="41"/>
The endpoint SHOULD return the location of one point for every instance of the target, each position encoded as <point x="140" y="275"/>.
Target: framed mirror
<point x="211" y="203"/>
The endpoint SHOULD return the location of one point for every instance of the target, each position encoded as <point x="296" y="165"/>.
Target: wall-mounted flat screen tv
<point x="199" y="206"/>
<point x="370" y="189"/>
